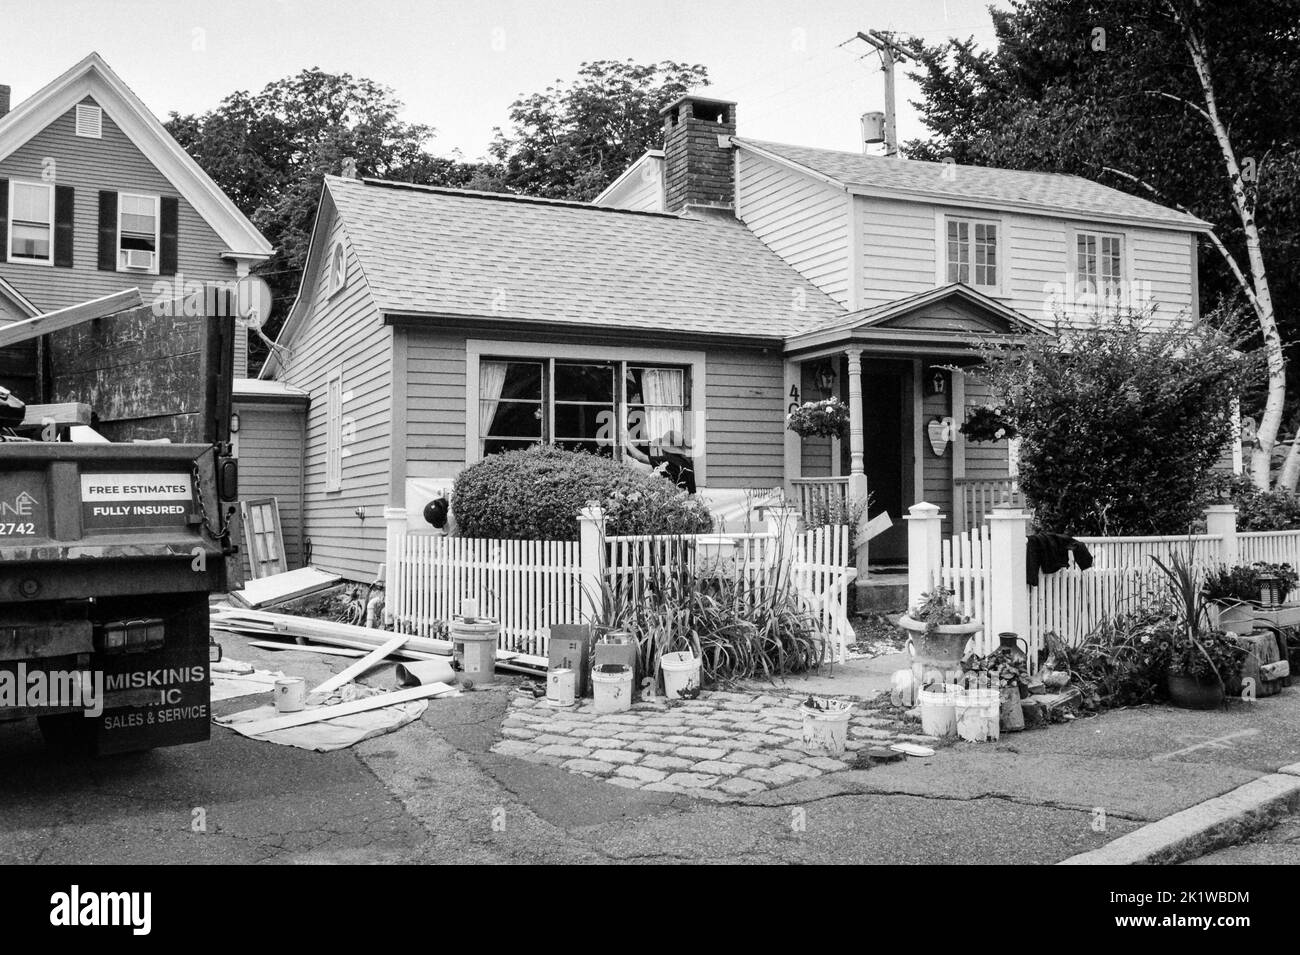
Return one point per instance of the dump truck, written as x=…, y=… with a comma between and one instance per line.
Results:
x=109, y=550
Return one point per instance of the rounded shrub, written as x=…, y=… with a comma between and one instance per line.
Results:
x=536, y=494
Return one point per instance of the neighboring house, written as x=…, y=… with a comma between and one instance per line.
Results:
x=96, y=197
x=712, y=285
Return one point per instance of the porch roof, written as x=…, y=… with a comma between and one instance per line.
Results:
x=951, y=318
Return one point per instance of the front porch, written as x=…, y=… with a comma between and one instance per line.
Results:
x=896, y=366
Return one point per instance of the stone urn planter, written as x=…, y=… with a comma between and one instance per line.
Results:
x=944, y=646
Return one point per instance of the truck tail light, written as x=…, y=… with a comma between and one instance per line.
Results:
x=133, y=636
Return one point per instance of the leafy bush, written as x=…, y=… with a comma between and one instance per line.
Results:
x=1121, y=424
x=536, y=494
x=1123, y=661
x=1273, y=510
x=1241, y=583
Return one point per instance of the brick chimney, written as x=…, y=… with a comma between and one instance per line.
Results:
x=4, y=99
x=699, y=169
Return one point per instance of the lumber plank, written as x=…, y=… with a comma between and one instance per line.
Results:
x=305, y=647
x=68, y=317
x=65, y=412
x=319, y=713
x=361, y=666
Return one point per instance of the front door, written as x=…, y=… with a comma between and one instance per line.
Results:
x=886, y=413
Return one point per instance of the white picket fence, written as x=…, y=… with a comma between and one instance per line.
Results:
x=966, y=570
x=531, y=586
x=1271, y=547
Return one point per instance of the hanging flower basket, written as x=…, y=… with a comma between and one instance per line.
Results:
x=988, y=423
x=822, y=419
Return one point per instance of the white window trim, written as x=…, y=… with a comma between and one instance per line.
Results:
x=1072, y=256
x=99, y=124
x=9, y=231
x=476, y=349
x=157, y=231
x=941, y=218
x=336, y=284
x=334, y=431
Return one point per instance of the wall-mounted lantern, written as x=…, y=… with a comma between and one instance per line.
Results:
x=826, y=379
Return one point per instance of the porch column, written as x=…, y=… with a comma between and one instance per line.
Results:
x=857, y=457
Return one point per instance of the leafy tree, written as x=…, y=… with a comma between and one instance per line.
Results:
x=1191, y=103
x=271, y=150
x=1121, y=425
x=572, y=140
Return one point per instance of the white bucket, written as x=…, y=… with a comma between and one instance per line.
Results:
x=829, y=727
x=939, y=710
x=561, y=684
x=612, y=688
x=979, y=714
x=681, y=672
x=290, y=695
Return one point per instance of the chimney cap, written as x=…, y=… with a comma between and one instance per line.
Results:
x=695, y=98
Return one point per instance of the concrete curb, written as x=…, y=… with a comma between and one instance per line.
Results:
x=1208, y=825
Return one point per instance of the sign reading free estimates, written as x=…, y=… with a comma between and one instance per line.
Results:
x=136, y=499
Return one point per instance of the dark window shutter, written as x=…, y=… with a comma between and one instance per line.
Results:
x=4, y=217
x=108, y=231
x=64, y=201
x=168, y=235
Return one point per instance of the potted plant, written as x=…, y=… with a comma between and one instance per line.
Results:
x=987, y=423
x=939, y=631
x=827, y=418
x=1234, y=592
x=1201, y=659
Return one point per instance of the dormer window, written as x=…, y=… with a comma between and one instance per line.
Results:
x=338, y=272
x=972, y=251
x=1099, y=265
x=90, y=121
x=137, y=233
x=31, y=223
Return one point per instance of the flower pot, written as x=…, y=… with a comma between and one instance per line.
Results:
x=1192, y=693
x=829, y=727
x=942, y=648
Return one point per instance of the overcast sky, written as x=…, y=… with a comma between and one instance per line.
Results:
x=458, y=64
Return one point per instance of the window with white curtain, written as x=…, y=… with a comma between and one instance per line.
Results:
x=626, y=410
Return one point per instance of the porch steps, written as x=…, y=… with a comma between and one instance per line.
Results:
x=883, y=591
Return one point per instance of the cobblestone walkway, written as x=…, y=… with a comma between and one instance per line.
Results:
x=722, y=746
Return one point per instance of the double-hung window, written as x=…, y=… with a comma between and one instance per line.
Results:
x=613, y=408
x=1099, y=265
x=31, y=222
x=972, y=251
x=137, y=233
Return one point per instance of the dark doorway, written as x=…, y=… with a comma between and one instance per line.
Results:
x=886, y=413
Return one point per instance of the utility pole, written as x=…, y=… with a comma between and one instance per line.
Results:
x=890, y=53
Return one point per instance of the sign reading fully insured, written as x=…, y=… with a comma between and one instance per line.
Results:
x=136, y=499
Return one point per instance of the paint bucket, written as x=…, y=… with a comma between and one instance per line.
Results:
x=290, y=695
x=474, y=645
x=827, y=728
x=979, y=713
x=681, y=672
x=561, y=685
x=612, y=688
x=424, y=672
x=939, y=710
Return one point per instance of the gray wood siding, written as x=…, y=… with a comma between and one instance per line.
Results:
x=112, y=163
x=271, y=465
x=816, y=454
x=345, y=332
x=900, y=258
x=745, y=405
x=435, y=402
x=802, y=220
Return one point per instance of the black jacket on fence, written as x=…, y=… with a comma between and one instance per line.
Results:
x=1048, y=553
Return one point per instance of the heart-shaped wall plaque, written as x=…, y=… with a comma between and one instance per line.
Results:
x=940, y=431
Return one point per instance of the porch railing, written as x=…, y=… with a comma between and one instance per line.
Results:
x=975, y=498
x=822, y=500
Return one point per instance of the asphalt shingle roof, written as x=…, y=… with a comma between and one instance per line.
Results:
x=448, y=252
x=1046, y=190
